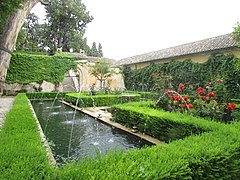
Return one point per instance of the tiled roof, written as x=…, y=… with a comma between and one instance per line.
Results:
x=210, y=44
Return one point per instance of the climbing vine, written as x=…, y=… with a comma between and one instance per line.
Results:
x=161, y=76
x=26, y=68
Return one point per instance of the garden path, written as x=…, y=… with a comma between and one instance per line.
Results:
x=5, y=106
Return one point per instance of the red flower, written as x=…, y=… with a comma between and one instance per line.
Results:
x=181, y=86
x=185, y=105
x=174, y=98
x=179, y=99
x=185, y=98
x=205, y=98
x=190, y=106
x=200, y=91
x=232, y=106
x=211, y=94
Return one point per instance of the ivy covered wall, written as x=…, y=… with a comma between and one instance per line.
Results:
x=157, y=77
x=26, y=68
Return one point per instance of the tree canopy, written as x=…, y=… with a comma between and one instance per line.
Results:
x=65, y=19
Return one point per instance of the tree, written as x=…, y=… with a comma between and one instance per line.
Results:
x=78, y=41
x=12, y=15
x=100, y=52
x=30, y=36
x=102, y=71
x=65, y=19
x=94, y=51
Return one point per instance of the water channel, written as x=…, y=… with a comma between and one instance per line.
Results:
x=89, y=136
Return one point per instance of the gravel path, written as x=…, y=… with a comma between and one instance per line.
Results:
x=5, y=105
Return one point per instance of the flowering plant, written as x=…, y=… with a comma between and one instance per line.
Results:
x=208, y=102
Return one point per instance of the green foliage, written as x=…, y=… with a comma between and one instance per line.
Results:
x=8, y=7
x=100, y=52
x=64, y=20
x=158, y=77
x=26, y=68
x=31, y=35
x=94, y=51
x=163, y=125
x=46, y=95
x=99, y=100
x=22, y=153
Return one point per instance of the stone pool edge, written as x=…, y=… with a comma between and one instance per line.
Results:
x=44, y=141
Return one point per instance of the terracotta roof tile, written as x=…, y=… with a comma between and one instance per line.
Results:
x=210, y=44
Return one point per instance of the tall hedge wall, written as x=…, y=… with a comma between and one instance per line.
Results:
x=218, y=66
x=26, y=68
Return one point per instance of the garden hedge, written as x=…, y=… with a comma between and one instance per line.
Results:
x=22, y=153
x=26, y=68
x=46, y=95
x=160, y=124
x=210, y=155
x=100, y=100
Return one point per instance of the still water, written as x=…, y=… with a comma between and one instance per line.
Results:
x=89, y=136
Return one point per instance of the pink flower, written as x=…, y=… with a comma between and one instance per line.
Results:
x=219, y=80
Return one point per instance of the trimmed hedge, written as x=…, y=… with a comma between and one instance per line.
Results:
x=163, y=125
x=22, y=153
x=100, y=100
x=46, y=95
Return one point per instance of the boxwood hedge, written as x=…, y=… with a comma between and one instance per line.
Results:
x=163, y=125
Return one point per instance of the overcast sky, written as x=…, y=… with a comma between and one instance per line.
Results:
x=131, y=27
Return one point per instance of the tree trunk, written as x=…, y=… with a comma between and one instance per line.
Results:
x=9, y=36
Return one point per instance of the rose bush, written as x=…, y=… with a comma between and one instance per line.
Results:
x=209, y=102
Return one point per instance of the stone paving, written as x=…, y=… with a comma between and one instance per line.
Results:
x=5, y=105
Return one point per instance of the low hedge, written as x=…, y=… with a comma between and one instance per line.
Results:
x=22, y=153
x=99, y=100
x=46, y=95
x=160, y=124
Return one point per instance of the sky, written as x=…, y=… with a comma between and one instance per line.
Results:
x=127, y=28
